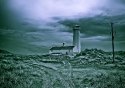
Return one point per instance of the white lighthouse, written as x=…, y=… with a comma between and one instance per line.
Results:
x=72, y=49
x=76, y=39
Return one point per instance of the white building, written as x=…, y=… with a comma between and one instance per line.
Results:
x=62, y=50
x=75, y=48
x=76, y=39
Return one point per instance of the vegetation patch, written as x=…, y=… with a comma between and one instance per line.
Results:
x=91, y=68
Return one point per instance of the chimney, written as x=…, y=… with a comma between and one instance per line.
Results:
x=63, y=43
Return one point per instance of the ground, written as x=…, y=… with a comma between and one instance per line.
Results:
x=91, y=68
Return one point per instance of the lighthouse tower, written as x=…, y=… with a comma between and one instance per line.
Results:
x=76, y=39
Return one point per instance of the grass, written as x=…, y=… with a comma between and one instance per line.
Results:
x=20, y=71
x=99, y=78
x=89, y=70
x=16, y=74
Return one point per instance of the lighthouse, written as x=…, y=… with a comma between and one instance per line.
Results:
x=76, y=39
x=69, y=50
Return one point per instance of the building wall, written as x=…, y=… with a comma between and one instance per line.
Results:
x=62, y=51
x=76, y=40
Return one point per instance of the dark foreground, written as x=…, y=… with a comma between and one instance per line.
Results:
x=90, y=69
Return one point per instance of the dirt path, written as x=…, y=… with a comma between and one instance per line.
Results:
x=53, y=76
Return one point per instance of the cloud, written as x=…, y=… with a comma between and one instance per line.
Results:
x=29, y=39
x=34, y=26
x=41, y=9
x=120, y=1
x=98, y=25
x=95, y=30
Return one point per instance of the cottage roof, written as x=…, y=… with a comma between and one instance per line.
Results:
x=61, y=47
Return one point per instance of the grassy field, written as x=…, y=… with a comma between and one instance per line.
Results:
x=90, y=69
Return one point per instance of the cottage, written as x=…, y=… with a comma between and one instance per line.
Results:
x=61, y=50
x=73, y=49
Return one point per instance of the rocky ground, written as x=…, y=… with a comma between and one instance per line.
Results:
x=91, y=68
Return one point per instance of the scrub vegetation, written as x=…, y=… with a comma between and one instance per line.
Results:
x=92, y=68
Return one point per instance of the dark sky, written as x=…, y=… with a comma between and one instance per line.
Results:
x=33, y=26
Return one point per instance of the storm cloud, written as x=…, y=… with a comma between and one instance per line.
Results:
x=32, y=27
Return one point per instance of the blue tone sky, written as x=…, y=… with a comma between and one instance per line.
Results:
x=33, y=26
